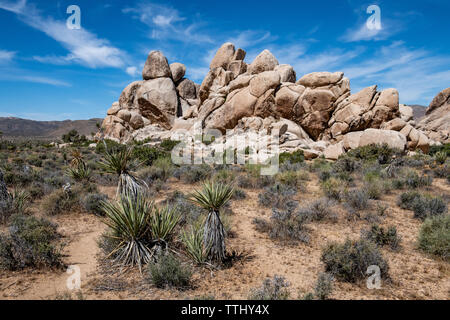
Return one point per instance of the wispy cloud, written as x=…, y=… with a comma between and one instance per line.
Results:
x=6, y=56
x=84, y=47
x=133, y=71
x=35, y=79
x=167, y=23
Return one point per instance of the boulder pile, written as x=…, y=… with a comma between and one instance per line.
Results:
x=316, y=113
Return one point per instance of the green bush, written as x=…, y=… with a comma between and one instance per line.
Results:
x=381, y=236
x=271, y=289
x=434, y=236
x=284, y=226
x=319, y=210
x=381, y=153
x=294, y=157
x=60, y=201
x=324, y=286
x=333, y=189
x=424, y=206
x=349, y=261
x=29, y=244
x=168, y=271
x=92, y=203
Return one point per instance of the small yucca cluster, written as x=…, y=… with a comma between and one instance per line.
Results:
x=212, y=197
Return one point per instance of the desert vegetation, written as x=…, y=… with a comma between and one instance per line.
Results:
x=161, y=230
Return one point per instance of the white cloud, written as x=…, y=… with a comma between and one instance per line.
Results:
x=167, y=24
x=6, y=56
x=85, y=47
x=133, y=71
x=36, y=79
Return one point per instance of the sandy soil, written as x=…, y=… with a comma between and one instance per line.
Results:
x=415, y=275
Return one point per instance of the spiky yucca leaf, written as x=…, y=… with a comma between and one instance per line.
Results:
x=20, y=200
x=163, y=222
x=193, y=242
x=118, y=161
x=129, y=220
x=79, y=172
x=213, y=195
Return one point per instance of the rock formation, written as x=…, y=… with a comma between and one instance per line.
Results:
x=436, y=123
x=317, y=114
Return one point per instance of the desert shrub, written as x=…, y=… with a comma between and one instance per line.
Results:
x=349, y=261
x=61, y=201
x=91, y=202
x=406, y=199
x=424, y=206
x=319, y=210
x=147, y=155
x=444, y=148
x=168, y=145
x=294, y=157
x=375, y=189
x=333, y=189
x=345, y=164
x=239, y=194
x=381, y=153
x=414, y=181
x=324, y=286
x=34, y=161
x=292, y=178
x=442, y=172
x=277, y=196
x=107, y=145
x=434, y=236
x=381, y=236
x=271, y=289
x=357, y=199
x=168, y=271
x=38, y=189
x=161, y=170
x=29, y=244
x=193, y=174
x=284, y=226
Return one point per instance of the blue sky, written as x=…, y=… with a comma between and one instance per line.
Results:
x=49, y=72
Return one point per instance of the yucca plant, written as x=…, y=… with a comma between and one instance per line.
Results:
x=193, y=242
x=79, y=172
x=20, y=200
x=162, y=223
x=212, y=197
x=440, y=157
x=121, y=162
x=129, y=219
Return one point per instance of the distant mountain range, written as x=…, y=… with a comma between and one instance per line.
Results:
x=23, y=128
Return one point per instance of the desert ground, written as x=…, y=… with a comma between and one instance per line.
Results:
x=413, y=273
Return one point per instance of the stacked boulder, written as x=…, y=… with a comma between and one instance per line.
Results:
x=162, y=96
x=316, y=114
x=436, y=123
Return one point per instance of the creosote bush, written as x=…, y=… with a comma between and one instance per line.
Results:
x=277, y=196
x=349, y=261
x=284, y=226
x=272, y=289
x=168, y=271
x=61, y=201
x=434, y=236
x=91, y=202
x=319, y=210
x=423, y=206
x=381, y=236
x=29, y=244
